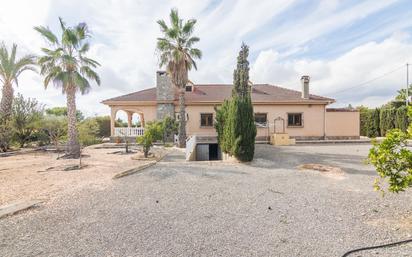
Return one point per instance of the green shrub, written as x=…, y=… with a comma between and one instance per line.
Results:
x=153, y=132
x=393, y=160
x=402, y=119
x=169, y=128
x=104, y=125
x=6, y=134
x=26, y=116
x=89, y=132
x=62, y=111
x=387, y=120
x=364, y=114
x=53, y=129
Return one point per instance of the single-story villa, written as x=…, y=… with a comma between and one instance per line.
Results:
x=277, y=109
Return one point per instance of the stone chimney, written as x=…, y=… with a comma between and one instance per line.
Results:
x=165, y=95
x=305, y=86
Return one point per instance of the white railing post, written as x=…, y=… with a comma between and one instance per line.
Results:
x=128, y=132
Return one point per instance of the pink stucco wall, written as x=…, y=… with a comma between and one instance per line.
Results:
x=338, y=124
x=313, y=119
x=343, y=124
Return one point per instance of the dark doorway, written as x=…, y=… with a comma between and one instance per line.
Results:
x=213, y=152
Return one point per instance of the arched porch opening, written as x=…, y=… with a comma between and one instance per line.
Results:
x=127, y=122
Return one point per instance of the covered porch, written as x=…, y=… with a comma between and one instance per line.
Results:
x=131, y=130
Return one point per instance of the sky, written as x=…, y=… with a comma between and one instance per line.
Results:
x=339, y=44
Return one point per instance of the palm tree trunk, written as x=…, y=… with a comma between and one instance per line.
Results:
x=182, y=121
x=6, y=100
x=73, y=146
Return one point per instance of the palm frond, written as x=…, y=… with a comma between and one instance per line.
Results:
x=47, y=34
x=89, y=73
x=188, y=27
x=62, y=24
x=163, y=26
x=82, y=83
x=174, y=17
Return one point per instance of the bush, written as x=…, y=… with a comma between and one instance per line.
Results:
x=402, y=119
x=387, y=120
x=26, y=116
x=153, y=132
x=89, y=132
x=393, y=161
x=169, y=128
x=365, y=116
x=53, y=129
x=104, y=125
x=6, y=134
x=62, y=111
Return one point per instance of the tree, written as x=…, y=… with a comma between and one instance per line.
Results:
x=402, y=119
x=6, y=133
x=89, y=132
x=402, y=94
x=153, y=132
x=387, y=120
x=178, y=55
x=62, y=111
x=104, y=125
x=235, y=119
x=55, y=128
x=66, y=65
x=26, y=115
x=169, y=127
x=10, y=70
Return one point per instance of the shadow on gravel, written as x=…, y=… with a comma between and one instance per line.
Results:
x=169, y=170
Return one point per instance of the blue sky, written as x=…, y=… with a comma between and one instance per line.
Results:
x=340, y=44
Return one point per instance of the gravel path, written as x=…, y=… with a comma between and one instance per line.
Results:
x=266, y=208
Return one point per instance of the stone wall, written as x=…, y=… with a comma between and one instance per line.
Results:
x=165, y=109
x=165, y=95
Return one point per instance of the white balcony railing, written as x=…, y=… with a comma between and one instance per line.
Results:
x=128, y=132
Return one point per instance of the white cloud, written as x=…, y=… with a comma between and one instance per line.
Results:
x=125, y=32
x=334, y=77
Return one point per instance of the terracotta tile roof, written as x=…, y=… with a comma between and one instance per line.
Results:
x=263, y=93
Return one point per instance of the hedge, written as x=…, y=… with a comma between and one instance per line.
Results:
x=387, y=120
x=402, y=119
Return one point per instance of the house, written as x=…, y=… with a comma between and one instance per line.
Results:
x=302, y=115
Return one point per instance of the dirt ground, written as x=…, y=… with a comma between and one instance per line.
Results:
x=41, y=175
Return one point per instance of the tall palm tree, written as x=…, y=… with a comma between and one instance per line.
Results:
x=65, y=65
x=10, y=69
x=177, y=54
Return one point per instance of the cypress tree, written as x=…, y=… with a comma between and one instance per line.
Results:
x=235, y=123
x=402, y=119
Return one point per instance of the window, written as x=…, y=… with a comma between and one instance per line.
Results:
x=206, y=119
x=189, y=88
x=295, y=120
x=261, y=119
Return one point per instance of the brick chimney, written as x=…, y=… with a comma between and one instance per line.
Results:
x=305, y=86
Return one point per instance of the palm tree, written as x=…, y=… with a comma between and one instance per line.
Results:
x=66, y=65
x=177, y=54
x=10, y=70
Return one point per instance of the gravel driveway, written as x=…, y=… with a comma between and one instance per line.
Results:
x=266, y=208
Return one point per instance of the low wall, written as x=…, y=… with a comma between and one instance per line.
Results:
x=342, y=124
